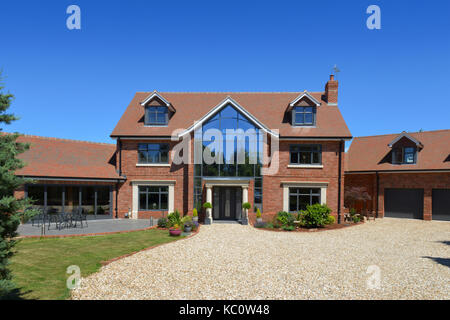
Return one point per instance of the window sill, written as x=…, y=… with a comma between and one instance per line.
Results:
x=153, y=165
x=305, y=166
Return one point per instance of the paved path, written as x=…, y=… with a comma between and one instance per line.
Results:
x=239, y=262
x=94, y=226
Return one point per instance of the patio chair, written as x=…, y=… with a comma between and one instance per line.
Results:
x=38, y=219
x=81, y=216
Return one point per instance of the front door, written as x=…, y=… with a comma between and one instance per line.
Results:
x=227, y=203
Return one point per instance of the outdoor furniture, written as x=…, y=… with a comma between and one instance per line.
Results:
x=369, y=214
x=38, y=219
x=79, y=215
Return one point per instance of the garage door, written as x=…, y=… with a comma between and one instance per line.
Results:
x=403, y=203
x=441, y=204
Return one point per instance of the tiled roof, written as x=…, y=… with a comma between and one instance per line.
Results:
x=368, y=153
x=268, y=107
x=52, y=157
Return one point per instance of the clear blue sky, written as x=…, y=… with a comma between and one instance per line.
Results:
x=76, y=84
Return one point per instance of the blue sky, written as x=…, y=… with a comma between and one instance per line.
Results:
x=77, y=83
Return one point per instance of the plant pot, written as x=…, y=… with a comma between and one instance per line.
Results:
x=187, y=229
x=174, y=232
x=259, y=220
x=195, y=218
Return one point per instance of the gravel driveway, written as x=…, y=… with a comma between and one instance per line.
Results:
x=229, y=261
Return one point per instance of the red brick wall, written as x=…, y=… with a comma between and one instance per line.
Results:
x=181, y=174
x=273, y=190
x=426, y=181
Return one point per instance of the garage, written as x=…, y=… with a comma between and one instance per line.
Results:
x=441, y=204
x=403, y=203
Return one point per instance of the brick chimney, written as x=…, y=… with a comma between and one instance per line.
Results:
x=331, y=91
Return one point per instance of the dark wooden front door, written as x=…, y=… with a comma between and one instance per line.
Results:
x=227, y=203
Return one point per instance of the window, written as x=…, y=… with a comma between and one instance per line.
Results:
x=406, y=155
x=306, y=154
x=153, y=198
x=156, y=115
x=153, y=153
x=304, y=116
x=409, y=155
x=299, y=198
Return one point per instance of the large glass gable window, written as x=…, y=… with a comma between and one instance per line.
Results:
x=156, y=115
x=228, y=166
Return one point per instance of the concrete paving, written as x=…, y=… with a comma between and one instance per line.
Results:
x=94, y=226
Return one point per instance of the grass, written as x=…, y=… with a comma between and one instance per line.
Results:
x=39, y=266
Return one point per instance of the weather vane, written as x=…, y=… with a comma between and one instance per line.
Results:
x=336, y=70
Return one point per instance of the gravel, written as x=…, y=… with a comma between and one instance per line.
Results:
x=229, y=261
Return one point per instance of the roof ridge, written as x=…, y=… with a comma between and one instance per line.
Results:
x=394, y=134
x=231, y=92
x=61, y=139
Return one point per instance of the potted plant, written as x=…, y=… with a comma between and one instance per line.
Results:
x=246, y=206
x=174, y=222
x=175, y=230
x=258, y=216
x=187, y=223
x=208, y=207
x=194, y=215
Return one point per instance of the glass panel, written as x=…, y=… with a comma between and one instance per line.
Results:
x=316, y=158
x=153, y=201
x=304, y=201
x=54, y=198
x=142, y=156
x=164, y=157
x=315, y=199
x=103, y=201
x=292, y=203
x=229, y=112
x=315, y=191
x=72, y=199
x=258, y=183
x=294, y=157
x=164, y=201
x=36, y=193
x=153, y=156
x=305, y=157
x=88, y=199
x=197, y=169
x=299, y=118
x=308, y=118
x=142, y=201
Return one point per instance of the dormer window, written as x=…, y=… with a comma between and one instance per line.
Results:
x=156, y=115
x=405, y=155
x=304, y=116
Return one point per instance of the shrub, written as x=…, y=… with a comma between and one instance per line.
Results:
x=288, y=228
x=173, y=219
x=186, y=221
x=194, y=213
x=246, y=205
x=356, y=218
x=285, y=218
x=207, y=205
x=330, y=220
x=258, y=213
x=194, y=225
x=162, y=223
x=269, y=225
x=315, y=215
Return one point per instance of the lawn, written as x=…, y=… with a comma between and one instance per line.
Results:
x=39, y=267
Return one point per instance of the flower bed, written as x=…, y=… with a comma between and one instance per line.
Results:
x=314, y=218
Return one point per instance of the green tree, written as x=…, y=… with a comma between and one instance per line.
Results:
x=11, y=209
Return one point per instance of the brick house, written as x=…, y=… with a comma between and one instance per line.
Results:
x=295, y=157
x=405, y=175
